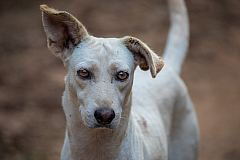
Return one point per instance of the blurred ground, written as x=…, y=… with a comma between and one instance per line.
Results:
x=32, y=123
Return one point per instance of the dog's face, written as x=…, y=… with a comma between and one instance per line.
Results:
x=100, y=70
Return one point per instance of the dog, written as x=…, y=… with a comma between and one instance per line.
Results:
x=110, y=116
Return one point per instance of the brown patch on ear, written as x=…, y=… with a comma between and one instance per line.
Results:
x=63, y=31
x=143, y=55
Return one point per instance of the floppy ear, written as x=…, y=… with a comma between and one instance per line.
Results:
x=143, y=55
x=63, y=31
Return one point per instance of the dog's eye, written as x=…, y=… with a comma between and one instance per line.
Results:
x=83, y=73
x=122, y=75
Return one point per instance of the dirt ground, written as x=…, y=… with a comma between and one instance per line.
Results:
x=32, y=122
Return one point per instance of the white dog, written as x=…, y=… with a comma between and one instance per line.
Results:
x=110, y=116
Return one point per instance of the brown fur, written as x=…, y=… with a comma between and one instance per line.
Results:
x=144, y=55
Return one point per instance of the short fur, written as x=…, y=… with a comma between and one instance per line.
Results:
x=154, y=118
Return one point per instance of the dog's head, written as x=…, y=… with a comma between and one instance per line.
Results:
x=100, y=70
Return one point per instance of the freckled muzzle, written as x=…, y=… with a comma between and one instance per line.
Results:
x=104, y=116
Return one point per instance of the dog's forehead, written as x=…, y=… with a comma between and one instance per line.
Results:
x=102, y=50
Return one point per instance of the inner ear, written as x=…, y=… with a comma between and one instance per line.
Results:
x=140, y=60
x=60, y=35
x=143, y=55
x=63, y=31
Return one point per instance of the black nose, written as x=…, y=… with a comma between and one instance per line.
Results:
x=104, y=116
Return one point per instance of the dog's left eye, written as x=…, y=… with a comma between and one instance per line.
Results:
x=83, y=73
x=122, y=75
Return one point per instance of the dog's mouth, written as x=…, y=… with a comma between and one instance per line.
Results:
x=103, y=126
x=95, y=125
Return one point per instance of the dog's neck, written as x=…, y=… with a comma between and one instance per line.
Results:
x=92, y=143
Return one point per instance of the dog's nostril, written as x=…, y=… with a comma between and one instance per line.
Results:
x=104, y=116
x=110, y=119
x=100, y=119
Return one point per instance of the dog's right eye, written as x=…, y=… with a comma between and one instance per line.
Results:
x=83, y=73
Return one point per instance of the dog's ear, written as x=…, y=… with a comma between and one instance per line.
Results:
x=143, y=55
x=63, y=31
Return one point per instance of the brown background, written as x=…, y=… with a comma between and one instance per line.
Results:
x=32, y=123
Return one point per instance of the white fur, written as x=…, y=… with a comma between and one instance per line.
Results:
x=178, y=37
x=154, y=118
x=160, y=123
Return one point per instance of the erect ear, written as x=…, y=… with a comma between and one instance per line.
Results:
x=63, y=31
x=143, y=55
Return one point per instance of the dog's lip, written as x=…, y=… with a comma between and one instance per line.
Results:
x=109, y=126
x=99, y=126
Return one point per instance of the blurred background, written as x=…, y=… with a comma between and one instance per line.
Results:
x=32, y=122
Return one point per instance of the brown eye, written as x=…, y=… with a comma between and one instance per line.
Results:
x=122, y=75
x=83, y=73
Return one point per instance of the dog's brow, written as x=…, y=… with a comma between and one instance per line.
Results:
x=88, y=64
x=114, y=65
x=93, y=66
x=118, y=65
